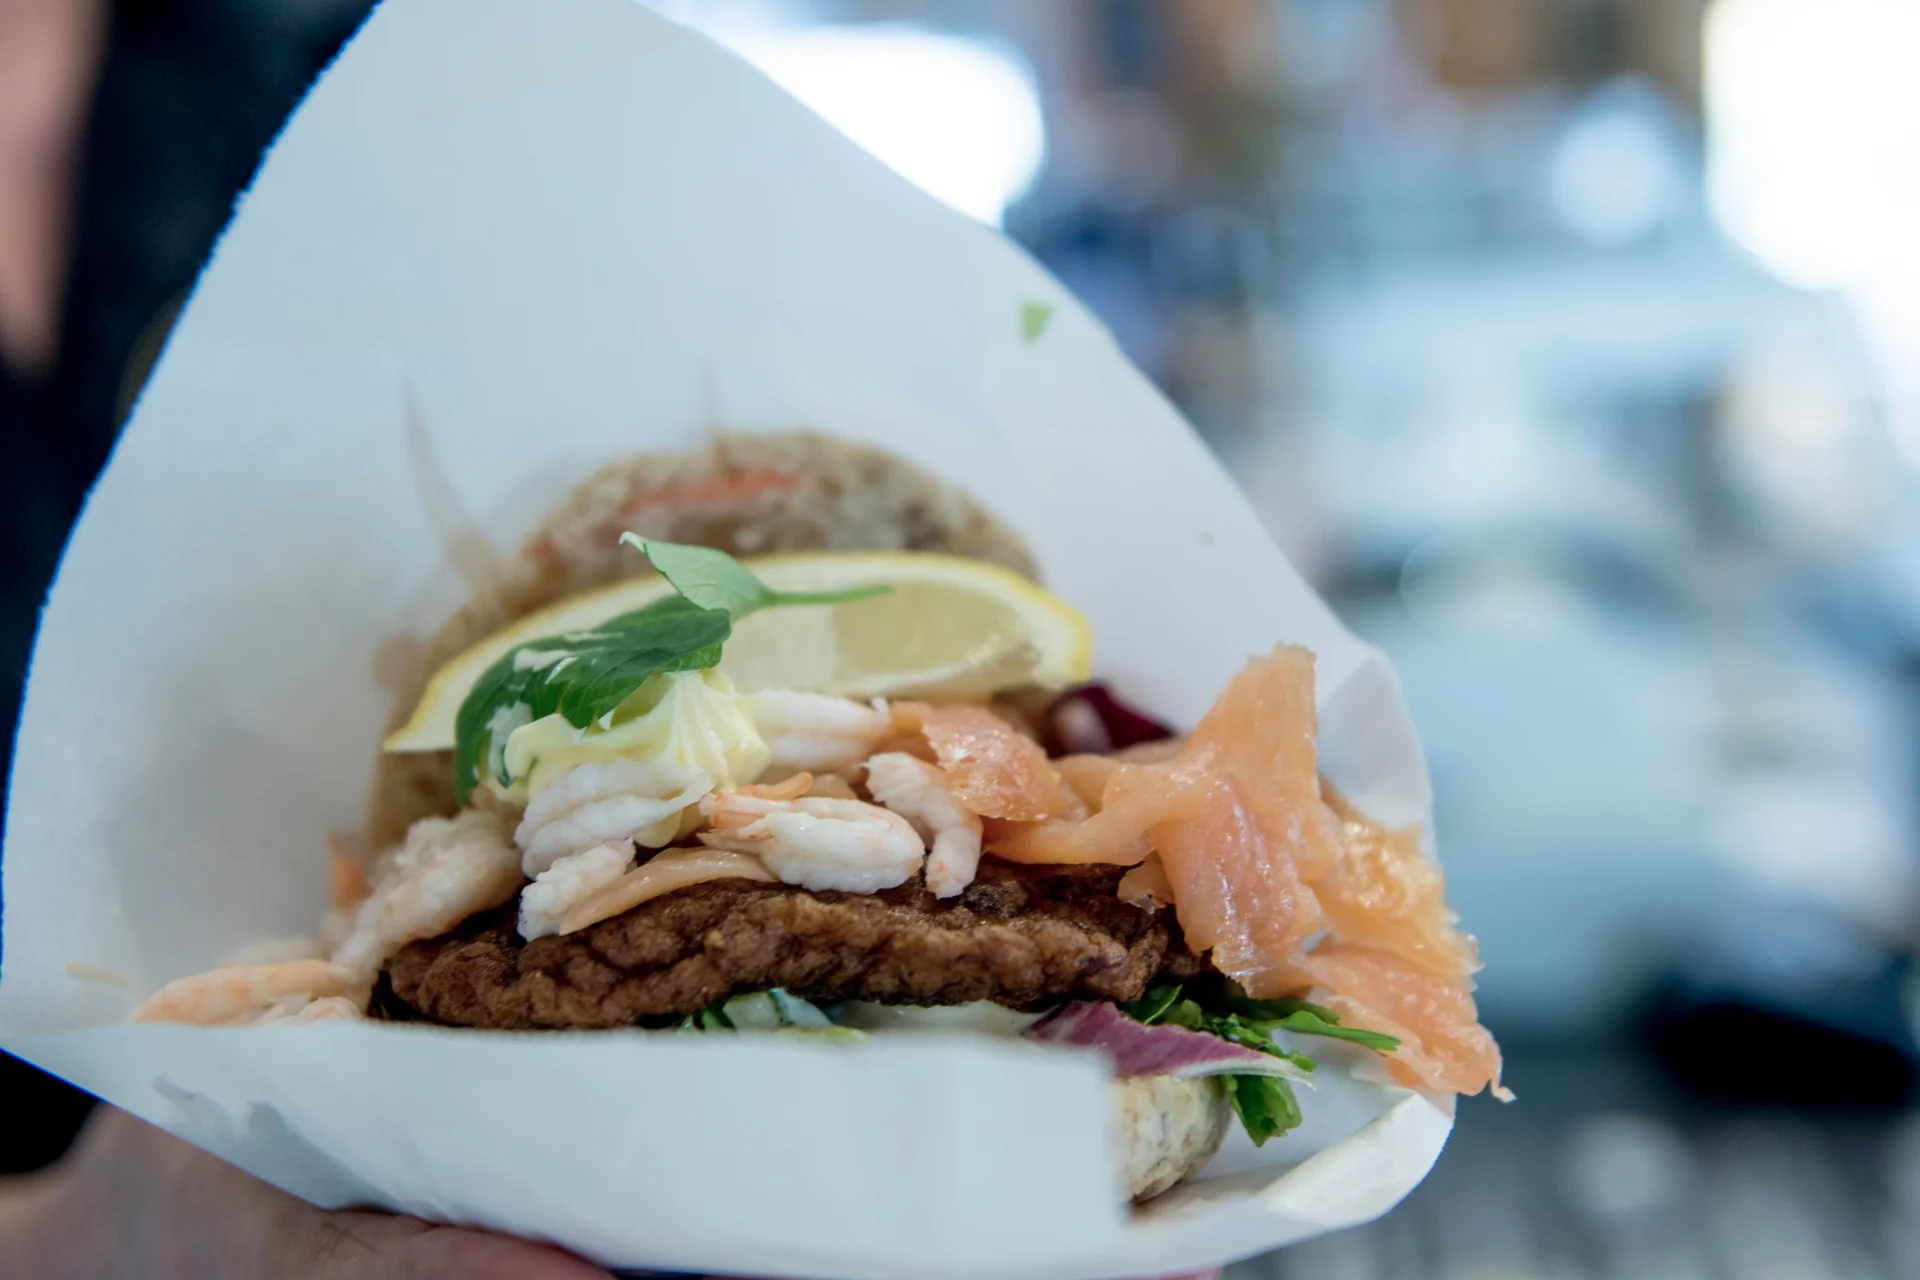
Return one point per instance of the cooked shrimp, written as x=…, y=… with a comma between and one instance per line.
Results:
x=568, y=882
x=815, y=842
x=817, y=731
x=265, y=951
x=920, y=793
x=831, y=786
x=303, y=1009
x=447, y=869
x=226, y=997
x=791, y=789
x=329, y=1009
x=661, y=874
x=347, y=870
x=608, y=801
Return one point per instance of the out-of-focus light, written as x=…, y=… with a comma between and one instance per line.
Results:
x=1793, y=426
x=1623, y=1170
x=1614, y=176
x=957, y=116
x=1813, y=124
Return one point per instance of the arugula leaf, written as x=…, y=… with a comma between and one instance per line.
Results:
x=1151, y=1007
x=1250, y=1035
x=1304, y=1018
x=1309, y=1024
x=713, y=579
x=1265, y=1104
x=583, y=675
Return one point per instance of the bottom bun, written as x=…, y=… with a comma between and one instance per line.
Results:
x=1164, y=1129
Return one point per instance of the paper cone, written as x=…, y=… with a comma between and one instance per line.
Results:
x=566, y=232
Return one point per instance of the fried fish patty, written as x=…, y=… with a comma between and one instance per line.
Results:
x=1018, y=936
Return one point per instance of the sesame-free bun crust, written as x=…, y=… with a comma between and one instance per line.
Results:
x=747, y=495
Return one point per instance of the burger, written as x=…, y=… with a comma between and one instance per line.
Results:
x=783, y=736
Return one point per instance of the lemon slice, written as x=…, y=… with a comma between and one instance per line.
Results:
x=951, y=627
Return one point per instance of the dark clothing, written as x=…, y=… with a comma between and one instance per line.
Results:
x=189, y=96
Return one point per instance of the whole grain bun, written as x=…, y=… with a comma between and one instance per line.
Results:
x=747, y=495
x=1164, y=1129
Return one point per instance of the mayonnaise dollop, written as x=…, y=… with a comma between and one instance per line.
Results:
x=690, y=717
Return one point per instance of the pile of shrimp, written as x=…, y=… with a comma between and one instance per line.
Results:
x=1289, y=888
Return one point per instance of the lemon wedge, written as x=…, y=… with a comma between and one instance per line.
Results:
x=951, y=628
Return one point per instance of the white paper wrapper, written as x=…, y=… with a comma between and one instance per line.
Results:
x=567, y=231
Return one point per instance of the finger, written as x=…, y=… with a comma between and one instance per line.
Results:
x=378, y=1246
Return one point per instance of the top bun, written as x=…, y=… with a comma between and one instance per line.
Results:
x=747, y=495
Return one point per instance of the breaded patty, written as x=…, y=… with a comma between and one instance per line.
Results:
x=1018, y=936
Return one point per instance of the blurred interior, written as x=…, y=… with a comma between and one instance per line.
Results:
x=1572, y=347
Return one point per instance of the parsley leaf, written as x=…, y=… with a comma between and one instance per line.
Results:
x=584, y=675
x=713, y=579
x=580, y=674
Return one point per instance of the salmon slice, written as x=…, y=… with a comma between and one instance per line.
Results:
x=1262, y=726
x=1157, y=752
x=1383, y=891
x=1086, y=777
x=1236, y=889
x=1442, y=1044
x=996, y=771
x=1136, y=798
x=1146, y=885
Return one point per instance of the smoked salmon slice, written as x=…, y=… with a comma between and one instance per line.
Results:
x=1262, y=728
x=1442, y=1044
x=1383, y=891
x=1234, y=828
x=996, y=771
x=1236, y=889
x=1135, y=798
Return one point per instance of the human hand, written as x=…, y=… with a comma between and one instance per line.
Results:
x=134, y=1203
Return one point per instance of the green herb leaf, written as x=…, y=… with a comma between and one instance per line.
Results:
x=713, y=579
x=1265, y=1104
x=711, y=1018
x=1185, y=1013
x=1304, y=1018
x=774, y=1011
x=580, y=674
x=1151, y=1007
x=1308, y=1024
x=1034, y=316
x=1249, y=1035
x=583, y=675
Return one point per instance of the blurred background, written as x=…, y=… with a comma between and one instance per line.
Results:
x=1572, y=347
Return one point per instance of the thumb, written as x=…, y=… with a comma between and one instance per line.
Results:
x=378, y=1246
